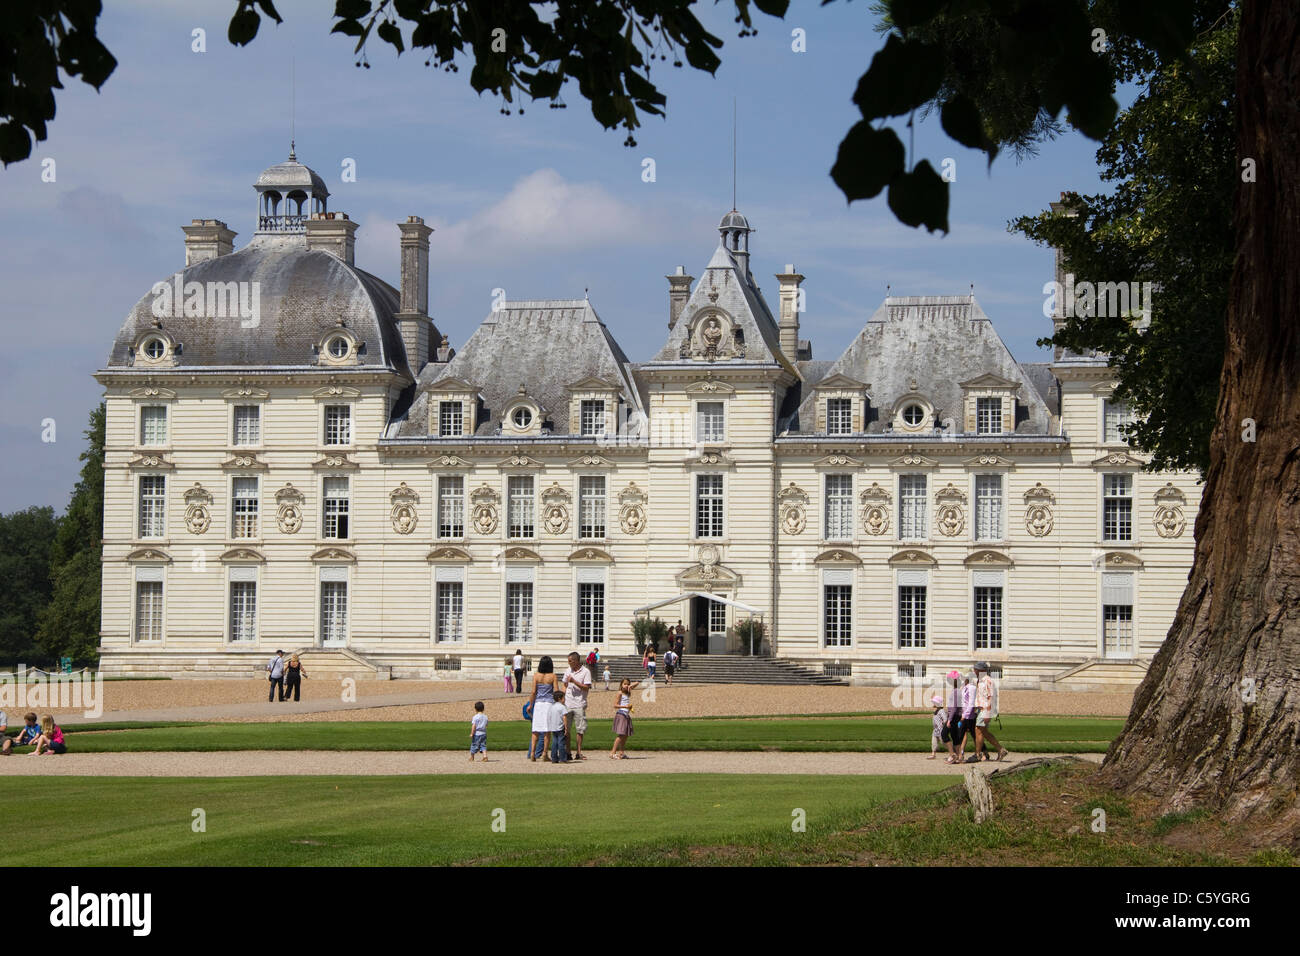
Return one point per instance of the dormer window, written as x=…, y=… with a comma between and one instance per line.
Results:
x=522, y=417
x=592, y=417
x=913, y=415
x=839, y=416
x=988, y=415
x=451, y=419
x=155, y=348
x=338, y=347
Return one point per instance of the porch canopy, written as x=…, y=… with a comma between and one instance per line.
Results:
x=694, y=594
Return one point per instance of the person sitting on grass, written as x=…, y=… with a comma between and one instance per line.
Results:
x=26, y=737
x=623, y=719
x=50, y=740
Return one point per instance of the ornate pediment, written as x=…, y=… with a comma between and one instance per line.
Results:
x=155, y=393
x=711, y=458
x=245, y=393
x=459, y=555
x=988, y=558
x=519, y=461
x=1118, y=560
x=592, y=383
x=989, y=461
x=837, y=556
x=840, y=382
x=244, y=463
x=590, y=461
x=452, y=384
x=334, y=462
x=707, y=577
x=913, y=461
x=243, y=556
x=988, y=380
x=592, y=554
x=520, y=554
x=1118, y=459
x=709, y=387
x=150, y=462
x=837, y=459
x=912, y=556
x=335, y=393
x=448, y=461
x=149, y=556
x=334, y=556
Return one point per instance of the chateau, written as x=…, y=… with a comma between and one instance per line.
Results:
x=297, y=457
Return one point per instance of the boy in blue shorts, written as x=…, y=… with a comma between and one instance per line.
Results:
x=478, y=733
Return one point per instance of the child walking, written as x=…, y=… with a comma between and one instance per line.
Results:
x=478, y=732
x=606, y=677
x=938, y=727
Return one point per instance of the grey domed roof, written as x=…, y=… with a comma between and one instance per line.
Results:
x=734, y=220
x=300, y=295
x=291, y=174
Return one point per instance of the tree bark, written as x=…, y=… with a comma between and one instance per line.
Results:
x=1216, y=722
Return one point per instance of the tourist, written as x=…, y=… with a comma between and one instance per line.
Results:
x=577, y=684
x=542, y=697
x=27, y=736
x=275, y=671
x=701, y=639
x=508, y=676
x=623, y=719
x=954, y=714
x=557, y=715
x=593, y=659
x=967, y=720
x=939, y=728
x=50, y=740
x=518, y=664
x=478, y=732
x=606, y=677
x=679, y=646
x=986, y=701
x=648, y=661
x=670, y=664
x=293, y=675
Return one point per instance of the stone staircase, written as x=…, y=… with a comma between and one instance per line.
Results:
x=721, y=669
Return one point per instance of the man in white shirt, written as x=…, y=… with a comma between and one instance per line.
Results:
x=986, y=701
x=577, y=682
x=518, y=665
x=275, y=672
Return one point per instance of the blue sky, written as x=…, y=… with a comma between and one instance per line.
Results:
x=542, y=205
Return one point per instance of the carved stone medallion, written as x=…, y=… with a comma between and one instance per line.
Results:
x=1038, y=510
x=950, y=511
x=483, y=509
x=631, y=512
x=794, y=508
x=1169, y=520
x=404, y=514
x=555, y=509
x=288, y=511
x=198, y=509
x=875, y=509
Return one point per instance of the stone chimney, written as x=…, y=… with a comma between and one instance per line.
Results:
x=413, y=317
x=679, y=290
x=332, y=232
x=207, y=239
x=790, y=301
x=445, y=352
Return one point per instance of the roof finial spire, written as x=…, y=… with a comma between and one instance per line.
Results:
x=293, y=105
x=733, y=154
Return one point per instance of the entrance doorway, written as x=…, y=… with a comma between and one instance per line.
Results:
x=708, y=633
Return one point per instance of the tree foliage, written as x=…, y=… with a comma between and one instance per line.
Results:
x=69, y=625
x=25, y=541
x=1169, y=221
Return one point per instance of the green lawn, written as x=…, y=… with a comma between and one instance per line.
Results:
x=422, y=820
x=866, y=734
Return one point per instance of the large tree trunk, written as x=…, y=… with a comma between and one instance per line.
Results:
x=1216, y=722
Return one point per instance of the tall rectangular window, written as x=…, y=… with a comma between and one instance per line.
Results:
x=591, y=506
x=710, y=421
x=988, y=507
x=451, y=419
x=988, y=618
x=451, y=611
x=153, y=425
x=708, y=506
x=911, y=615
x=243, y=610
x=837, y=614
x=338, y=424
x=336, y=508
x=717, y=617
x=1116, y=415
x=1117, y=615
x=148, y=610
x=243, y=508
x=1117, y=508
x=451, y=507
x=520, y=506
x=153, y=505
x=839, y=416
x=333, y=612
x=519, y=612
x=247, y=425
x=592, y=417
x=591, y=613
x=839, y=507
x=988, y=416
x=911, y=507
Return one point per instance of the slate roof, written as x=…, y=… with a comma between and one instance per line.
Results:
x=302, y=293
x=543, y=345
x=1044, y=380
x=940, y=341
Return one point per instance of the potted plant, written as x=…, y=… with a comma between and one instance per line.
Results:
x=749, y=633
x=647, y=631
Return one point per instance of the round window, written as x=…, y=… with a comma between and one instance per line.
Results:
x=338, y=347
x=913, y=415
x=522, y=417
x=155, y=348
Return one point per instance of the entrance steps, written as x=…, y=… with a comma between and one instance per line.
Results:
x=721, y=669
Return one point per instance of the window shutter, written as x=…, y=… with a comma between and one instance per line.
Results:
x=971, y=404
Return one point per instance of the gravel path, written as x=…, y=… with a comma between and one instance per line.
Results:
x=260, y=763
x=245, y=701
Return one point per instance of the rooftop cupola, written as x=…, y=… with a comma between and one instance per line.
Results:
x=735, y=230
x=288, y=194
